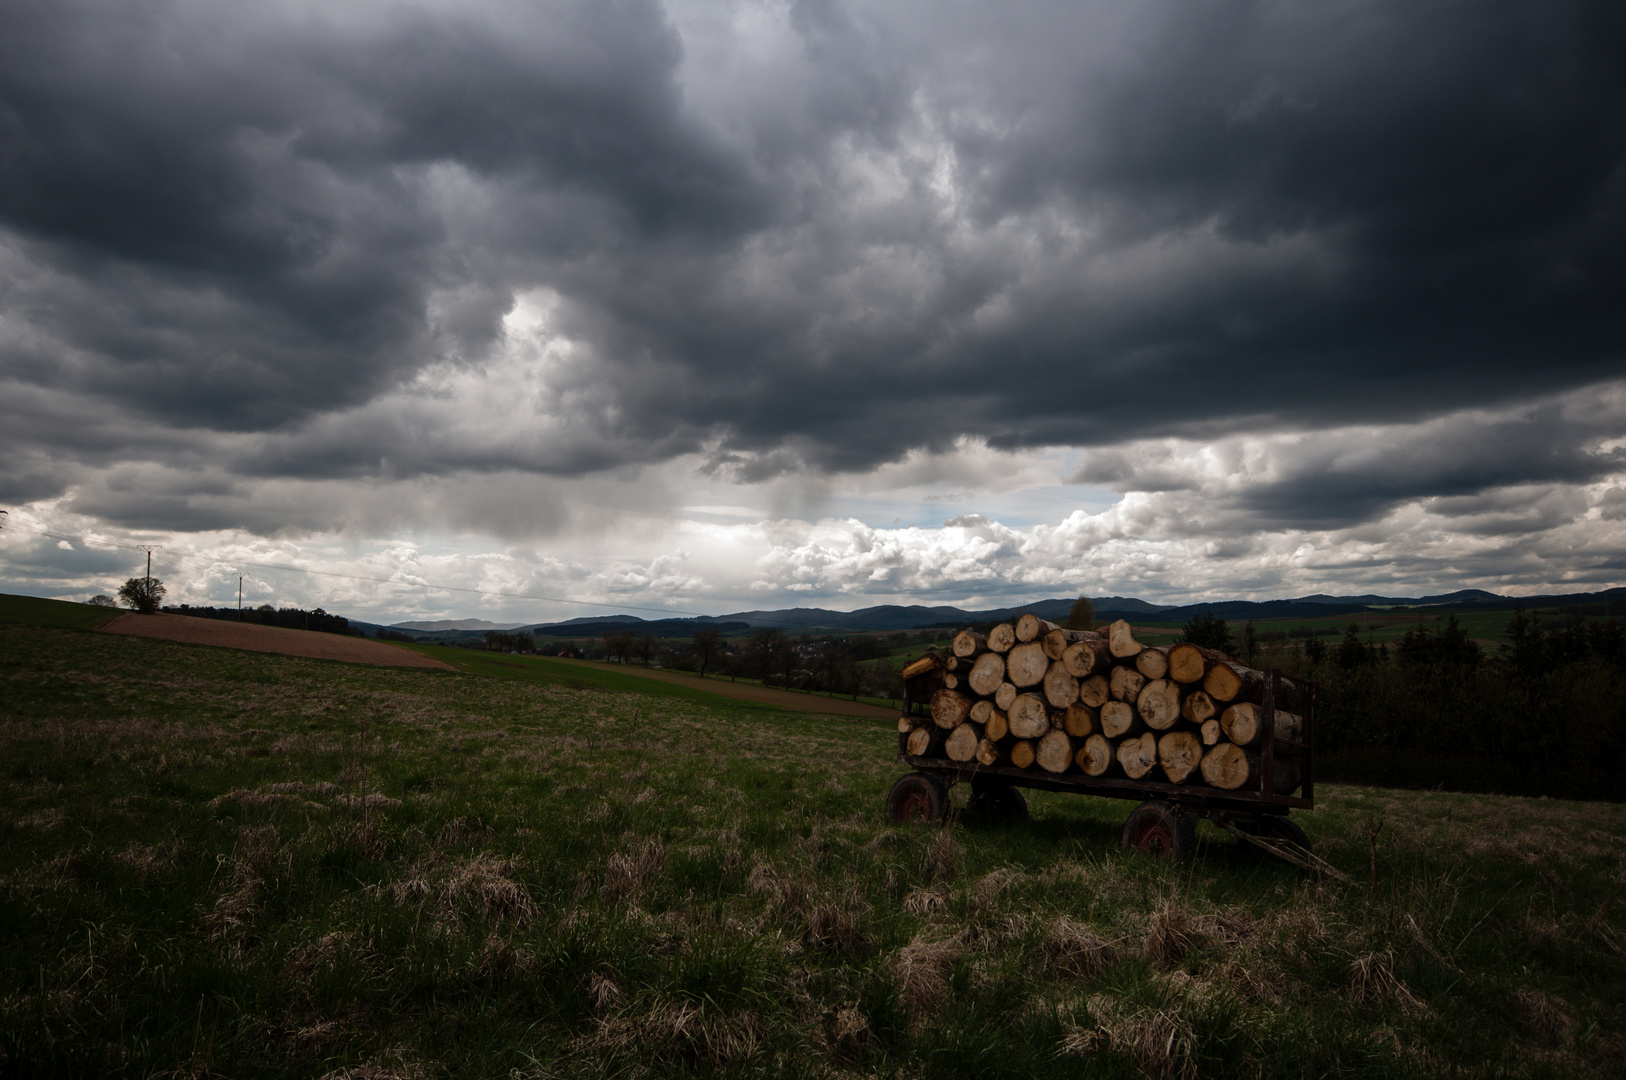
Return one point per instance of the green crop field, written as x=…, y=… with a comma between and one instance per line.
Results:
x=219, y=863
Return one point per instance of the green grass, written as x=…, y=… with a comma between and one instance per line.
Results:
x=578, y=676
x=57, y=614
x=220, y=863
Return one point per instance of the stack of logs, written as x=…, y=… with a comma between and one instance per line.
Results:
x=1031, y=694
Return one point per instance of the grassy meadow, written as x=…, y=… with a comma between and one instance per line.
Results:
x=220, y=863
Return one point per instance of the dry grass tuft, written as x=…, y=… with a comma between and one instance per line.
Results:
x=1543, y=1015
x=679, y=1029
x=922, y=971
x=1159, y=1041
x=603, y=991
x=1171, y=933
x=629, y=872
x=849, y=1031
x=485, y=882
x=1372, y=981
x=924, y=901
x=1071, y=948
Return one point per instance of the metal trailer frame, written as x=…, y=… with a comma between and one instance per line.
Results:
x=1220, y=807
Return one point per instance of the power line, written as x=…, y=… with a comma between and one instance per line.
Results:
x=361, y=577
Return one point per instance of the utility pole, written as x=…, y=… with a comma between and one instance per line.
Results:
x=149, y=549
x=239, y=597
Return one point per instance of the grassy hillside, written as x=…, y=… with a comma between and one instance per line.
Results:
x=58, y=614
x=237, y=864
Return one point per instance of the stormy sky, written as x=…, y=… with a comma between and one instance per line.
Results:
x=705, y=306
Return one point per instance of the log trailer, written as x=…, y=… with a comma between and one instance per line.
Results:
x=1165, y=821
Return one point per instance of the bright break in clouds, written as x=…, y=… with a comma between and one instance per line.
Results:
x=711, y=305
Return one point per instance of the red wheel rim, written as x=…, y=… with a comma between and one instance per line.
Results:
x=913, y=805
x=1154, y=839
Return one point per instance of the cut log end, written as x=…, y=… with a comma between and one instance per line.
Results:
x=950, y=708
x=1152, y=663
x=1022, y=754
x=1159, y=704
x=1028, y=718
x=1095, y=756
x=1180, y=753
x=1121, y=640
x=1002, y=638
x=1138, y=756
x=1026, y=665
x=961, y=745
x=1054, y=752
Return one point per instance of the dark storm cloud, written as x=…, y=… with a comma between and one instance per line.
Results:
x=886, y=228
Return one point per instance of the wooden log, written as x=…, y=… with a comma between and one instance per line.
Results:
x=1061, y=639
x=1026, y=664
x=981, y=711
x=1085, y=657
x=1095, y=756
x=1244, y=723
x=1079, y=721
x=1031, y=628
x=1121, y=640
x=905, y=725
x=1189, y=663
x=1126, y=683
x=1152, y=663
x=1118, y=718
x=925, y=742
x=950, y=709
x=988, y=752
x=998, y=726
x=1004, y=695
x=1230, y=681
x=1002, y=638
x=1212, y=732
x=1022, y=754
x=986, y=674
x=1230, y=767
x=1180, y=753
x=1028, y=718
x=951, y=681
x=1060, y=688
x=1054, y=752
x=924, y=666
x=961, y=745
x=1159, y=704
x=968, y=644
x=1094, y=691
x=1198, y=707
x=1137, y=756
x=951, y=663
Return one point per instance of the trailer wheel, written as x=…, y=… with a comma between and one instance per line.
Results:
x=1160, y=829
x=917, y=797
x=1001, y=799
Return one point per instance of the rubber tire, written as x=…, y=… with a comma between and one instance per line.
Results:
x=1160, y=829
x=1271, y=825
x=1001, y=800
x=917, y=797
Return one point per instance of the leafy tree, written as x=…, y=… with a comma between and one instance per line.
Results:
x=1250, y=644
x=1449, y=647
x=708, y=644
x=1208, y=630
x=1352, y=651
x=1082, y=614
x=143, y=594
x=102, y=601
x=643, y=647
x=1315, y=651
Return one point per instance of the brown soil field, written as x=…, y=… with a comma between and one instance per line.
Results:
x=271, y=639
x=762, y=695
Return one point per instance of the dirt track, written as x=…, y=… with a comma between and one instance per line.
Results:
x=272, y=639
x=764, y=695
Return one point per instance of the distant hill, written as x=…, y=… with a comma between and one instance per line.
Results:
x=894, y=617
x=454, y=624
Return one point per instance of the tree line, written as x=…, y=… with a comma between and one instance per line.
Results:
x=1544, y=713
